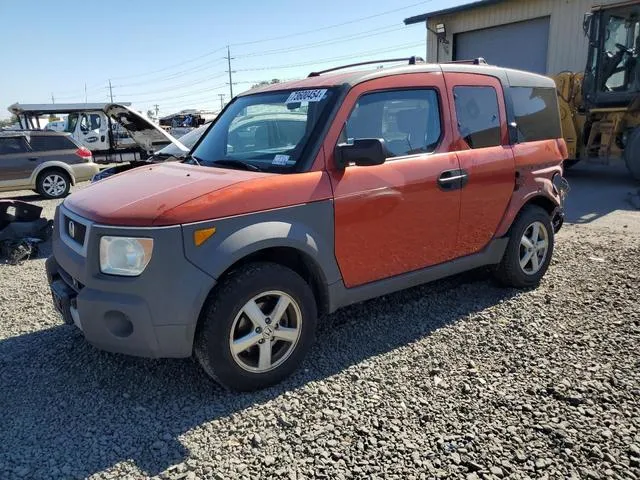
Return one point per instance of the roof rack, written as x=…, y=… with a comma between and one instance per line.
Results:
x=412, y=61
x=474, y=61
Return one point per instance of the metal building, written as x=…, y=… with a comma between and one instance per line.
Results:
x=543, y=36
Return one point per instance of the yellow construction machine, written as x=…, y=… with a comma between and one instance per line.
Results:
x=600, y=107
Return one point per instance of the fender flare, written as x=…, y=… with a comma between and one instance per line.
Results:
x=545, y=192
x=52, y=164
x=223, y=253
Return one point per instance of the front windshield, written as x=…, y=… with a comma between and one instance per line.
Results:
x=188, y=140
x=267, y=130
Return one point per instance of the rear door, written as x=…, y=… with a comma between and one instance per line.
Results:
x=16, y=159
x=394, y=218
x=485, y=155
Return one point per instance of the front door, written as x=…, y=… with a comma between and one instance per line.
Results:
x=396, y=217
x=93, y=130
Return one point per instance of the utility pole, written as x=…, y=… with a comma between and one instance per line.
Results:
x=85, y=92
x=229, y=58
x=53, y=100
x=110, y=91
x=221, y=95
x=157, y=109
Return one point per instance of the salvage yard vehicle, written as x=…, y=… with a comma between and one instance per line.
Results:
x=600, y=107
x=171, y=153
x=43, y=160
x=112, y=131
x=399, y=176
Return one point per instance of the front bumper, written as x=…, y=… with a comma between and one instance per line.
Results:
x=152, y=315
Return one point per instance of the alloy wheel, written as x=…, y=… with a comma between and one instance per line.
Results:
x=534, y=246
x=265, y=332
x=54, y=185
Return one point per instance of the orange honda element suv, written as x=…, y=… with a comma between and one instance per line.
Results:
x=306, y=196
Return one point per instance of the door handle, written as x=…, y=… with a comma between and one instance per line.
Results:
x=33, y=159
x=453, y=179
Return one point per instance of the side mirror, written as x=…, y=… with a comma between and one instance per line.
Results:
x=586, y=23
x=363, y=152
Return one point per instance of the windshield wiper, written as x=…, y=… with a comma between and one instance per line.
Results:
x=237, y=163
x=193, y=159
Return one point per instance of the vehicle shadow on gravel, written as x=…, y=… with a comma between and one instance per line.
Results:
x=71, y=410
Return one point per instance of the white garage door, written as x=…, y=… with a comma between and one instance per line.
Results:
x=521, y=45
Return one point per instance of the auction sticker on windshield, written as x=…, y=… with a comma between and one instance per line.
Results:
x=306, y=96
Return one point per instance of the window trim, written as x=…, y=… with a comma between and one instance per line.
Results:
x=500, y=119
x=400, y=89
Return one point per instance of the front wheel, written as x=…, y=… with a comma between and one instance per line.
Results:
x=257, y=327
x=529, y=250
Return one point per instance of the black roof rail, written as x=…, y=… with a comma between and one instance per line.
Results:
x=412, y=61
x=474, y=61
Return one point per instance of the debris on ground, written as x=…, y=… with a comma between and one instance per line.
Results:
x=22, y=229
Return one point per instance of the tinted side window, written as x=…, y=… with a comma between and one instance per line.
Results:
x=536, y=111
x=12, y=145
x=407, y=120
x=49, y=142
x=478, y=115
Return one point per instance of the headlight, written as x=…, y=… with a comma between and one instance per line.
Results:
x=125, y=256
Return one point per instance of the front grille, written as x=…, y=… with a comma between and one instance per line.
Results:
x=75, y=230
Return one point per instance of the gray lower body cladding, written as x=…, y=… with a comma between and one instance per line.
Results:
x=156, y=313
x=152, y=315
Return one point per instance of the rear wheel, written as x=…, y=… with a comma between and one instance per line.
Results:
x=53, y=184
x=529, y=249
x=257, y=327
x=632, y=153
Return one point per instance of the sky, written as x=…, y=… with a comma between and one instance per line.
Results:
x=171, y=53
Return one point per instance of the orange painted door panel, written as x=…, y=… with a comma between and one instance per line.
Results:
x=394, y=218
x=485, y=155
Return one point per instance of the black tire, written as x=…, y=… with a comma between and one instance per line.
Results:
x=61, y=179
x=509, y=272
x=632, y=154
x=212, y=346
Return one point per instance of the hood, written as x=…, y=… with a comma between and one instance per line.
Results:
x=148, y=135
x=140, y=196
x=175, y=193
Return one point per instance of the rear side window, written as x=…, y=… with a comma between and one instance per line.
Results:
x=536, y=111
x=12, y=145
x=407, y=120
x=45, y=143
x=478, y=116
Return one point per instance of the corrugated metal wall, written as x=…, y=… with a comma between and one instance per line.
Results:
x=567, y=43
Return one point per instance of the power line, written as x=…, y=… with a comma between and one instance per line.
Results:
x=333, y=59
x=182, y=73
x=175, y=87
x=209, y=89
x=349, y=22
x=169, y=67
x=350, y=37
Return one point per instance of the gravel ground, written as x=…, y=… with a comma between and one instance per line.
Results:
x=456, y=379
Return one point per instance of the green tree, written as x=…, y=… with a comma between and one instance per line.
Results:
x=266, y=82
x=8, y=121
